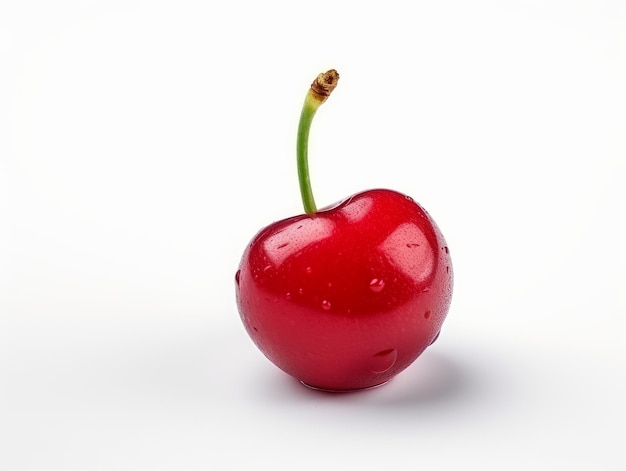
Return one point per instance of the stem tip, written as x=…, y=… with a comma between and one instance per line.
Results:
x=324, y=84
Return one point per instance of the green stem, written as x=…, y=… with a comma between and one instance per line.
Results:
x=320, y=90
x=302, y=151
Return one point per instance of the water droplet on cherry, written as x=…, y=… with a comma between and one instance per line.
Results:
x=436, y=337
x=308, y=270
x=237, y=276
x=288, y=295
x=267, y=268
x=383, y=361
x=426, y=314
x=326, y=305
x=377, y=285
x=426, y=290
x=300, y=291
x=446, y=249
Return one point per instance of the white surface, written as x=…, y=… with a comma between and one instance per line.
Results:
x=142, y=144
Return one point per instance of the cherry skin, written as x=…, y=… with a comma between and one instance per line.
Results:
x=349, y=296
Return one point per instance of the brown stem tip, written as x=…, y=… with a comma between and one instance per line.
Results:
x=324, y=84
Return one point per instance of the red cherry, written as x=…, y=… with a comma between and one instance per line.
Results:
x=346, y=297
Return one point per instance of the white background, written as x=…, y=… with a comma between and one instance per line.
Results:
x=142, y=144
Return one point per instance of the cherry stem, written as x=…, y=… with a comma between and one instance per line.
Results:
x=320, y=90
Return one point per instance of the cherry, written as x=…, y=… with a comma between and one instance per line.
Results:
x=346, y=297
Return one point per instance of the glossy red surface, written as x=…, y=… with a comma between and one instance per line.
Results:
x=350, y=296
